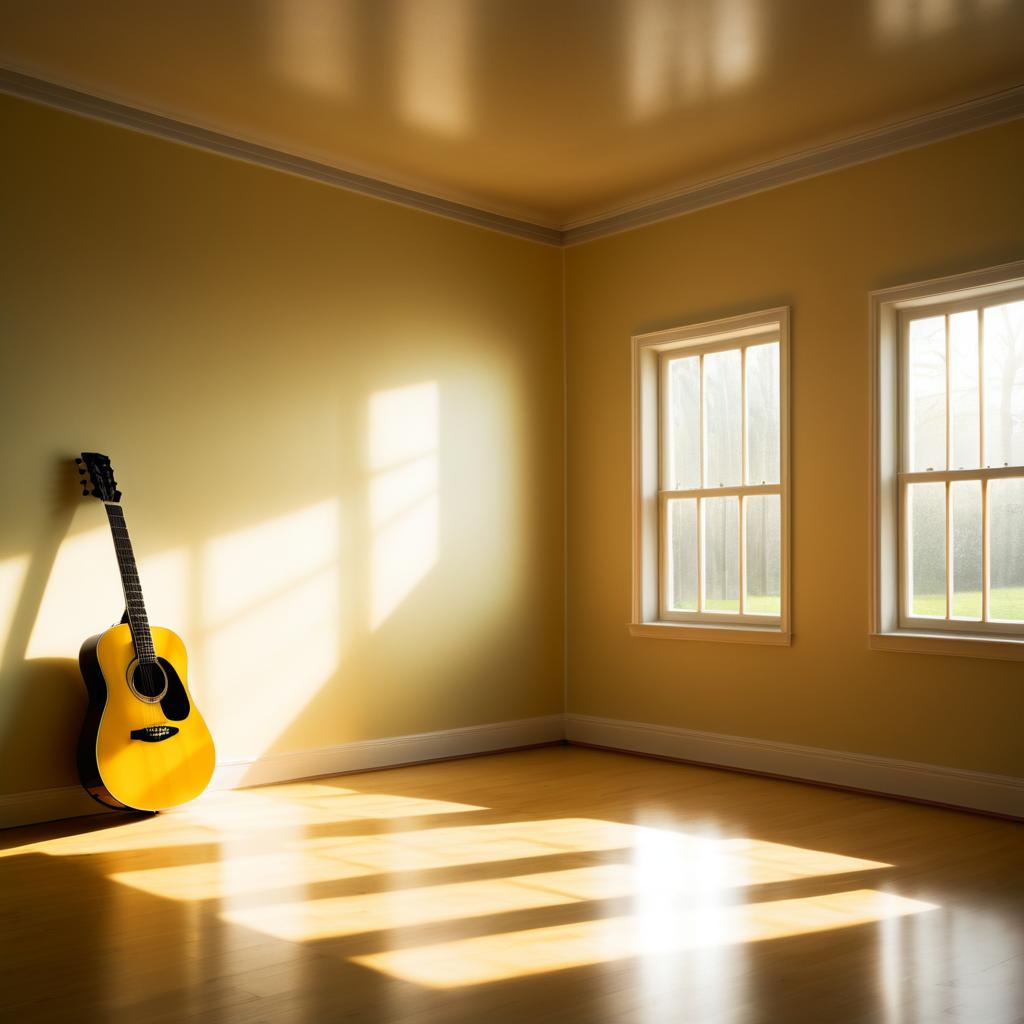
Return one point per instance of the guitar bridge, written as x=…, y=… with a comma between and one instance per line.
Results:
x=154, y=733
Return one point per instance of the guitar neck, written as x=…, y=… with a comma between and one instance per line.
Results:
x=138, y=620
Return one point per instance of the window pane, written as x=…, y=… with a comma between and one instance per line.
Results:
x=926, y=513
x=927, y=386
x=684, y=424
x=1004, y=385
x=763, y=414
x=721, y=554
x=682, y=546
x=1006, y=549
x=762, y=576
x=965, y=525
x=963, y=389
x=722, y=419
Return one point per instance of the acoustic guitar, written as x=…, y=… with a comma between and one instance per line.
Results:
x=144, y=746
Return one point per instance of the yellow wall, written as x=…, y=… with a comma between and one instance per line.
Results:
x=337, y=423
x=818, y=246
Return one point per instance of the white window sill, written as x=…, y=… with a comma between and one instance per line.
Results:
x=718, y=633
x=958, y=645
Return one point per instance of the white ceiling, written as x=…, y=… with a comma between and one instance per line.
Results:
x=553, y=111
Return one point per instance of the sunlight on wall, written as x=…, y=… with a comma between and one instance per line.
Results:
x=12, y=575
x=245, y=566
x=490, y=958
x=262, y=668
x=312, y=44
x=403, y=424
x=433, y=64
x=682, y=52
x=274, y=636
x=165, y=580
x=83, y=595
x=270, y=620
x=404, y=502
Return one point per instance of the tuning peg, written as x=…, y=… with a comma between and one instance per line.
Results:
x=79, y=461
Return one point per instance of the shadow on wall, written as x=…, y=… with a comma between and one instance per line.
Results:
x=50, y=689
x=336, y=618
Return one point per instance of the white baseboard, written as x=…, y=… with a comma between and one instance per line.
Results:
x=389, y=752
x=73, y=801
x=953, y=787
x=46, y=805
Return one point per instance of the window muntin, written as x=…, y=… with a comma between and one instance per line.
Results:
x=961, y=471
x=720, y=490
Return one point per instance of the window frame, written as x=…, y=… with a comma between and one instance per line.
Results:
x=652, y=355
x=891, y=309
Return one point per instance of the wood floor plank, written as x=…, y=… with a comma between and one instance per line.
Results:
x=559, y=884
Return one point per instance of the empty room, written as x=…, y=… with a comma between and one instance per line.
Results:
x=513, y=511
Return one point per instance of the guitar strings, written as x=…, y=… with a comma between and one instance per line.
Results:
x=150, y=715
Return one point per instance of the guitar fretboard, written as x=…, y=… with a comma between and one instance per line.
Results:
x=137, y=618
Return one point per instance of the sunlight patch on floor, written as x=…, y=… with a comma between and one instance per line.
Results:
x=491, y=958
x=256, y=810
x=311, y=919
x=685, y=861
x=333, y=858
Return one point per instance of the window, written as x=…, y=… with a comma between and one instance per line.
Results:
x=711, y=516
x=949, y=464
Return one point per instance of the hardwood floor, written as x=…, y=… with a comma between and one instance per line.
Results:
x=550, y=885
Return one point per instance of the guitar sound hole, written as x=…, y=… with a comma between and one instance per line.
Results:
x=149, y=682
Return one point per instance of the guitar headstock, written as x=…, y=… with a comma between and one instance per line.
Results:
x=97, y=477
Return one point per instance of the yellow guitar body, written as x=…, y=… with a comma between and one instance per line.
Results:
x=140, y=749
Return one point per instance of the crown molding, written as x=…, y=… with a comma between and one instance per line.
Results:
x=857, y=149
x=912, y=133
x=53, y=95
